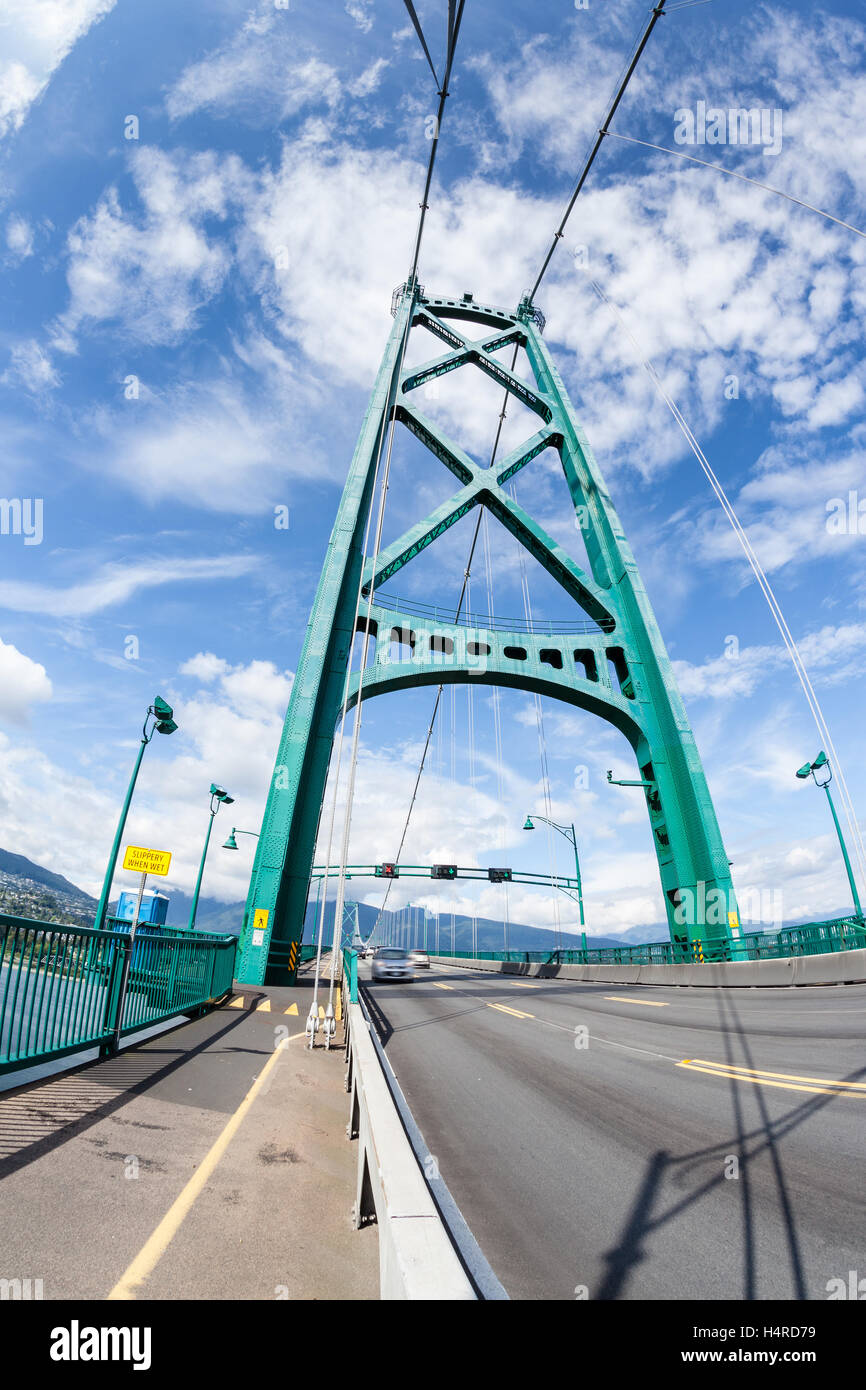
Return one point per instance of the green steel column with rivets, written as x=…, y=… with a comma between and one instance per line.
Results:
x=276, y=902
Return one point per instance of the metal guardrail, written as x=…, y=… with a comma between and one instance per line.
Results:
x=416, y=1257
x=547, y=627
x=62, y=987
x=813, y=938
x=350, y=973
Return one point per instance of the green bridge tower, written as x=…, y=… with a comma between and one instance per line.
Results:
x=613, y=663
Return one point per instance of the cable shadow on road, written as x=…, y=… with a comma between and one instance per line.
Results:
x=747, y=1145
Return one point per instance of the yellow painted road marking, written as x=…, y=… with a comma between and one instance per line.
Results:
x=783, y=1075
x=504, y=1009
x=264, y=1007
x=292, y=1009
x=440, y=985
x=237, y=1003
x=854, y=1090
x=650, y=1003
x=321, y=1011
x=338, y=1006
x=152, y=1252
x=524, y=984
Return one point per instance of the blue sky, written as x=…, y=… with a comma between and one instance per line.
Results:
x=193, y=319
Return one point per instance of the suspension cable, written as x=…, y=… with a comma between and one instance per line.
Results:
x=454, y=22
x=734, y=174
x=657, y=12
x=760, y=575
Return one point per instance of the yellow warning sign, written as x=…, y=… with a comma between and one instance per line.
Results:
x=147, y=861
x=260, y=919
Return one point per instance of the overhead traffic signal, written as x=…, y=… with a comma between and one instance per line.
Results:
x=443, y=871
x=387, y=871
x=499, y=875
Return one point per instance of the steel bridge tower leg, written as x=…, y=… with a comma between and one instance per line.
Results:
x=277, y=898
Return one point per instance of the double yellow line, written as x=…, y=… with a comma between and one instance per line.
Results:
x=819, y=1085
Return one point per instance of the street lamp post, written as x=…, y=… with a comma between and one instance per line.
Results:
x=163, y=723
x=218, y=796
x=822, y=764
x=569, y=833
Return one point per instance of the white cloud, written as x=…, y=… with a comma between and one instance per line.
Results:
x=23, y=682
x=257, y=74
x=236, y=442
x=835, y=402
x=19, y=237
x=114, y=584
x=839, y=653
x=35, y=37
x=31, y=368
x=152, y=273
x=359, y=11
x=205, y=667
x=369, y=79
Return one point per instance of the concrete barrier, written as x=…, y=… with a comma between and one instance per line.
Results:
x=838, y=967
x=416, y=1257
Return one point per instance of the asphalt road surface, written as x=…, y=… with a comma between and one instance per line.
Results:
x=628, y=1142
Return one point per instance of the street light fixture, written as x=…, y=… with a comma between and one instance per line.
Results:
x=163, y=723
x=218, y=797
x=822, y=765
x=231, y=842
x=569, y=833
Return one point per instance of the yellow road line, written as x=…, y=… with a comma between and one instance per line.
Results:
x=829, y=1088
x=440, y=985
x=504, y=1009
x=524, y=984
x=650, y=1003
x=153, y=1250
x=783, y=1075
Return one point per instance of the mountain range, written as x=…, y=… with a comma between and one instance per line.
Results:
x=29, y=890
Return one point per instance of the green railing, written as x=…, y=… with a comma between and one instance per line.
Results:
x=307, y=952
x=64, y=989
x=350, y=973
x=813, y=938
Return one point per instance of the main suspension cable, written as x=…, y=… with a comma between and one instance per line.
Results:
x=657, y=12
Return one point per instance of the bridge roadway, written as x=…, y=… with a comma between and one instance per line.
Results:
x=607, y=1166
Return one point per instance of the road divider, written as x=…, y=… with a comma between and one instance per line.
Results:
x=416, y=1257
x=819, y=1085
x=839, y=967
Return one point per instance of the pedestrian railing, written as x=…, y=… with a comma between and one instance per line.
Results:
x=813, y=938
x=64, y=989
x=350, y=973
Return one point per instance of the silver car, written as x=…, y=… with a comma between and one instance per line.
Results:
x=420, y=959
x=390, y=963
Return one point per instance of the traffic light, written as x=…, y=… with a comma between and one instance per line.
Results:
x=443, y=871
x=499, y=875
x=387, y=871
